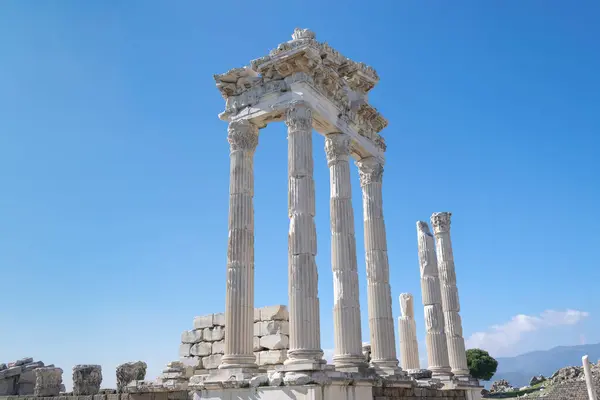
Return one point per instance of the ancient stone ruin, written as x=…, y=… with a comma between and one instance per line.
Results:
x=275, y=352
x=19, y=377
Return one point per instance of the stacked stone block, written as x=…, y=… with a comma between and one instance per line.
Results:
x=87, y=380
x=202, y=348
x=18, y=377
x=175, y=376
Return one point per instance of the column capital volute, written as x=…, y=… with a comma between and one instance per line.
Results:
x=407, y=305
x=337, y=147
x=298, y=116
x=242, y=135
x=370, y=170
x=441, y=222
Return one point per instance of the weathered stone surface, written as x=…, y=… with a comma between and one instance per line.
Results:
x=128, y=372
x=270, y=357
x=257, y=346
x=213, y=334
x=501, y=386
x=264, y=328
x=278, y=312
x=275, y=342
x=8, y=387
x=86, y=379
x=296, y=378
x=204, y=321
x=48, y=381
x=193, y=336
x=3, y=366
x=259, y=380
x=10, y=371
x=23, y=361
x=218, y=347
x=192, y=361
x=212, y=362
x=184, y=349
x=419, y=373
x=219, y=319
x=201, y=349
x=256, y=314
x=275, y=378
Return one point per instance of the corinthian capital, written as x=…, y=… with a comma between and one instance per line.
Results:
x=242, y=135
x=298, y=116
x=441, y=222
x=370, y=170
x=337, y=147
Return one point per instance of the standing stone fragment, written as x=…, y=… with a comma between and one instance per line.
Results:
x=86, y=379
x=131, y=371
x=409, y=348
x=48, y=381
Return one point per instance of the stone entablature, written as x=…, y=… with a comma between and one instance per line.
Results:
x=304, y=69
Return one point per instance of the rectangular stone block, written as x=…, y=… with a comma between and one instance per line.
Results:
x=278, y=312
x=212, y=362
x=201, y=349
x=218, y=347
x=204, y=321
x=193, y=336
x=195, y=362
x=256, y=314
x=219, y=319
x=201, y=371
x=214, y=334
x=274, y=327
x=275, y=342
x=257, y=328
x=7, y=387
x=256, y=344
x=11, y=371
x=184, y=349
x=271, y=357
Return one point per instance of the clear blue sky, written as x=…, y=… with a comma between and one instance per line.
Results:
x=114, y=166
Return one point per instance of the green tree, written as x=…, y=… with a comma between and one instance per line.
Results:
x=481, y=364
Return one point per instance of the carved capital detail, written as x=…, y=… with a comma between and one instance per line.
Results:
x=242, y=135
x=370, y=170
x=337, y=147
x=441, y=222
x=299, y=116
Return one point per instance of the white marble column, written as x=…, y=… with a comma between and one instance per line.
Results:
x=409, y=347
x=346, y=307
x=450, y=303
x=379, y=297
x=305, y=331
x=589, y=381
x=239, y=308
x=435, y=336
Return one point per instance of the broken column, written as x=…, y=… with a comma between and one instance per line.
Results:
x=86, y=379
x=589, y=382
x=48, y=381
x=450, y=302
x=346, y=307
x=379, y=295
x=239, y=296
x=131, y=371
x=409, y=347
x=435, y=337
x=305, y=330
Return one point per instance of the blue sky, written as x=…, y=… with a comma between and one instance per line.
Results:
x=114, y=166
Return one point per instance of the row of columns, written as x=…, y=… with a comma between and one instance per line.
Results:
x=446, y=352
x=305, y=349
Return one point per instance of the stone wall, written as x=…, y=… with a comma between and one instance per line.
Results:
x=392, y=393
x=18, y=377
x=202, y=348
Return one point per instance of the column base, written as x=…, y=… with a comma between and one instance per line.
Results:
x=345, y=361
x=442, y=373
x=238, y=362
x=304, y=360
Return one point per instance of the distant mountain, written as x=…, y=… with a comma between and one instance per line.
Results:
x=519, y=370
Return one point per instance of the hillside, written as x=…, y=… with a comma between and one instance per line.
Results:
x=519, y=370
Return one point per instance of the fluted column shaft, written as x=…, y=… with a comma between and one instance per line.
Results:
x=435, y=336
x=239, y=308
x=346, y=308
x=305, y=335
x=409, y=347
x=450, y=303
x=381, y=321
